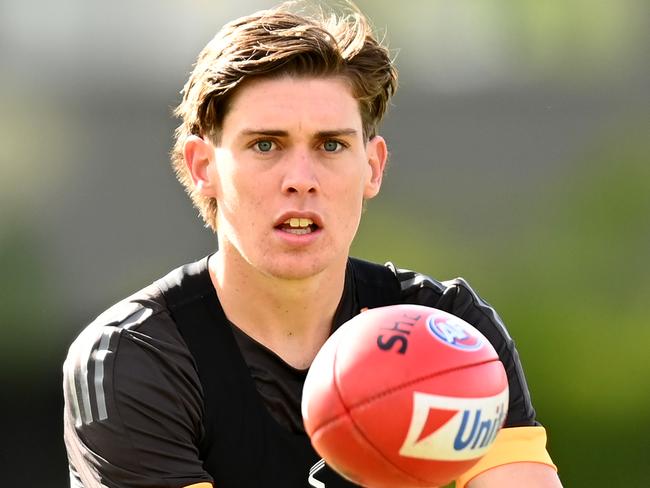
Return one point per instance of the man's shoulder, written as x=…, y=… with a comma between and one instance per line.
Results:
x=412, y=284
x=138, y=333
x=131, y=367
x=143, y=317
x=134, y=312
x=455, y=295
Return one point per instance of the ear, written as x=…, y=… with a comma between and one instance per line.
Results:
x=198, y=154
x=377, y=154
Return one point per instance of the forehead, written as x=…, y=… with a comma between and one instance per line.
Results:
x=286, y=102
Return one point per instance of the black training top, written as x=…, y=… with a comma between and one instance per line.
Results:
x=153, y=400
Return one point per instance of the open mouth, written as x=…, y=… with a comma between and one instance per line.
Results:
x=298, y=226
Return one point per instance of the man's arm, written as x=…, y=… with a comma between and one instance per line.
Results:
x=516, y=475
x=517, y=458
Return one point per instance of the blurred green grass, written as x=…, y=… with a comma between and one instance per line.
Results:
x=572, y=282
x=565, y=261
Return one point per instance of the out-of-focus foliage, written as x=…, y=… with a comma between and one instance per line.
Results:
x=573, y=286
x=520, y=160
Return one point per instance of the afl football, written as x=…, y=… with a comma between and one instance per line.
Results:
x=404, y=396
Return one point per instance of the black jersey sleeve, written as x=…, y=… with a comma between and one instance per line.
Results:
x=133, y=401
x=458, y=298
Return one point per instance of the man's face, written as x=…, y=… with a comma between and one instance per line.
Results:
x=290, y=175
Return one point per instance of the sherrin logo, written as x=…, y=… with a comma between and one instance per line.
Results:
x=453, y=429
x=454, y=332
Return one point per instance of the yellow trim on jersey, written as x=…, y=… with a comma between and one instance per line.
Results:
x=199, y=485
x=512, y=445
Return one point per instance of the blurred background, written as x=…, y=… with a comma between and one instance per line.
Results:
x=520, y=160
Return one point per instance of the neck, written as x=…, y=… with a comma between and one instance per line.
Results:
x=292, y=317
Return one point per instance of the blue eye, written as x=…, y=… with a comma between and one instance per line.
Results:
x=331, y=146
x=264, y=146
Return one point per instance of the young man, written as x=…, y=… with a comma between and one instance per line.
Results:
x=196, y=380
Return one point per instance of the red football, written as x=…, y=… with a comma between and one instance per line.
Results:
x=404, y=396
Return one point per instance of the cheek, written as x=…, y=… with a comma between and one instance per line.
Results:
x=246, y=202
x=234, y=187
x=351, y=203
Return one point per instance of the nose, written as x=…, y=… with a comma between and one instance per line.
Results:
x=300, y=175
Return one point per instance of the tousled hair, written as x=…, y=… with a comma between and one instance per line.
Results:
x=274, y=43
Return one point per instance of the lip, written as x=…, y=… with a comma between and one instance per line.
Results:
x=299, y=240
x=314, y=217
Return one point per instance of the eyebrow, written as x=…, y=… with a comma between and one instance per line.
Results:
x=283, y=133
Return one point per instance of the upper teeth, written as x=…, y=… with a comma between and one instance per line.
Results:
x=295, y=222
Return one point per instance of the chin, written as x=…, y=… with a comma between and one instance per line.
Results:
x=293, y=268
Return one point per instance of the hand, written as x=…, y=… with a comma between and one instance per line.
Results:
x=516, y=475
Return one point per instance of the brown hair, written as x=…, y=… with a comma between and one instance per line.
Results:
x=274, y=43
